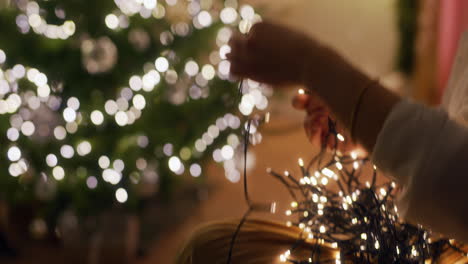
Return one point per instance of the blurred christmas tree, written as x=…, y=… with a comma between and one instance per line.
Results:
x=107, y=102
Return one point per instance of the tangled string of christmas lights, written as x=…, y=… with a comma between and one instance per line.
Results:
x=336, y=208
x=357, y=218
x=252, y=206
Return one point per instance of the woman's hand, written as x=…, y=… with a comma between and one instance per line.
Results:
x=316, y=123
x=316, y=119
x=271, y=54
x=276, y=55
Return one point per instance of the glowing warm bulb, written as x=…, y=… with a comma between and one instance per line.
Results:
x=84, y=148
x=339, y=166
x=227, y=152
x=162, y=64
x=315, y=198
x=112, y=21
x=345, y=206
x=301, y=91
x=150, y=4
x=324, y=181
x=208, y=72
x=111, y=176
x=414, y=252
x=383, y=192
x=13, y=134
x=338, y=254
x=58, y=173
x=67, y=151
x=174, y=164
x=73, y=103
x=14, y=153
x=356, y=165
x=313, y=180
x=69, y=27
x=35, y=20
x=60, y=132
x=2, y=56
x=51, y=160
x=195, y=170
x=28, y=128
x=191, y=68
x=228, y=15
x=383, y=207
x=327, y=172
x=111, y=107
x=121, y=118
x=301, y=162
x=121, y=195
x=340, y=137
x=273, y=208
x=204, y=18
x=139, y=101
x=322, y=229
x=97, y=117
x=118, y=165
x=283, y=258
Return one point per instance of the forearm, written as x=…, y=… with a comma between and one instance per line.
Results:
x=340, y=85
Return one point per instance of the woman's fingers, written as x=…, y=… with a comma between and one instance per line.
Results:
x=314, y=126
x=312, y=132
x=331, y=142
x=316, y=104
x=300, y=101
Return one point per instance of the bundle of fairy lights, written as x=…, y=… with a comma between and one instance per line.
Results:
x=336, y=207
